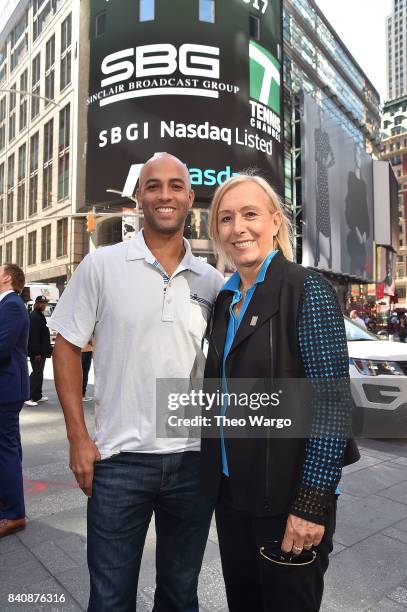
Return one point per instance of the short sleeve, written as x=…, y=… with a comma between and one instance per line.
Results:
x=75, y=315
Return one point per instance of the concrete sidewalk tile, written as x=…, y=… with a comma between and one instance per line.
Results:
x=398, y=534
x=400, y=461
x=211, y=590
x=385, y=456
x=75, y=547
x=76, y=582
x=401, y=525
x=374, y=580
x=399, y=595
x=52, y=470
x=337, y=548
x=10, y=543
x=144, y=603
x=387, y=605
x=362, y=517
x=373, y=479
x=397, y=492
x=364, y=462
x=21, y=569
x=213, y=534
x=54, y=559
x=61, y=599
x=45, y=505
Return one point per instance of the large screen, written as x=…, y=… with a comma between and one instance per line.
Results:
x=199, y=79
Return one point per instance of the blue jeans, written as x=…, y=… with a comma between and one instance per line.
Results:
x=127, y=489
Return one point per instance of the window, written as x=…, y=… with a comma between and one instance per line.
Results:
x=1, y=194
x=2, y=123
x=21, y=202
x=23, y=100
x=49, y=69
x=41, y=19
x=47, y=186
x=63, y=161
x=10, y=189
x=48, y=140
x=46, y=243
x=47, y=168
x=33, y=189
x=207, y=10
x=18, y=41
x=21, y=162
x=12, y=113
x=100, y=24
x=66, y=37
x=62, y=237
x=254, y=27
x=20, y=252
x=35, y=86
x=9, y=252
x=32, y=248
x=146, y=10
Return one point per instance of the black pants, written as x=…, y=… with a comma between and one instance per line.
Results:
x=36, y=378
x=86, y=361
x=256, y=584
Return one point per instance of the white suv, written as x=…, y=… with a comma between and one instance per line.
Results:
x=378, y=372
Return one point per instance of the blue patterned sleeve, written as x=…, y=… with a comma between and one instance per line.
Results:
x=324, y=352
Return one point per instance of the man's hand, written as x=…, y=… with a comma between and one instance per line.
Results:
x=300, y=534
x=83, y=453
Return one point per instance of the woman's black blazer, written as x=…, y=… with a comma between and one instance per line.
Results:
x=293, y=328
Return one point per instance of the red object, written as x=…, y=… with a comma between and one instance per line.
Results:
x=380, y=291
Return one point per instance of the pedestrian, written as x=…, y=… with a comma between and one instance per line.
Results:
x=39, y=349
x=86, y=363
x=275, y=495
x=14, y=389
x=146, y=302
x=403, y=328
x=357, y=319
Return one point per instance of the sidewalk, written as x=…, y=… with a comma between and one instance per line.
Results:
x=368, y=570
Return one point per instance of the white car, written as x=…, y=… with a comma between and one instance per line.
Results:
x=378, y=372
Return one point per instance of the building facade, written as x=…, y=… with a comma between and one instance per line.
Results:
x=394, y=149
x=38, y=139
x=396, y=48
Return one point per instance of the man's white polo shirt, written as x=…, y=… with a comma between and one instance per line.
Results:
x=145, y=326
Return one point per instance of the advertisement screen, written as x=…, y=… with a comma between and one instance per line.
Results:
x=200, y=80
x=337, y=197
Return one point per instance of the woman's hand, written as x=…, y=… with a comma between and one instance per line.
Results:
x=300, y=534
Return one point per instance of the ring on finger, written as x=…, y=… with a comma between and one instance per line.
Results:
x=297, y=549
x=307, y=546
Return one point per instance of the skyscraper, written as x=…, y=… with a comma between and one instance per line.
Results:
x=396, y=42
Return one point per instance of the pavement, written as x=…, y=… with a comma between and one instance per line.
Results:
x=368, y=568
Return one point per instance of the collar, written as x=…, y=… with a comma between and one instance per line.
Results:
x=137, y=249
x=233, y=283
x=3, y=295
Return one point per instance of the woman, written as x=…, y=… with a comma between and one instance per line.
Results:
x=275, y=497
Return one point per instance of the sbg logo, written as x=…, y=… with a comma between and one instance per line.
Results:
x=160, y=60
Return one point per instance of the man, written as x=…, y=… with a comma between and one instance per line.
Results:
x=14, y=325
x=356, y=319
x=39, y=348
x=146, y=302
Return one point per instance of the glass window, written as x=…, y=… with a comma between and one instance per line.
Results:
x=48, y=140
x=146, y=10
x=66, y=33
x=32, y=248
x=20, y=252
x=47, y=186
x=21, y=202
x=21, y=162
x=46, y=243
x=50, y=53
x=62, y=237
x=64, y=128
x=207, y=10
x=63, y=176
x=9, y=252
x=100, y=24
x=254, y=27
x=34, y=152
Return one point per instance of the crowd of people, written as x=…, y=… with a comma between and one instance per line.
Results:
x=274, y=500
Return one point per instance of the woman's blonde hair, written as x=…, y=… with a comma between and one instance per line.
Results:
x=283, y=239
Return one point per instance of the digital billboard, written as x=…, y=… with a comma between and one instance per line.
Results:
x=337, y=187
x=208, y=92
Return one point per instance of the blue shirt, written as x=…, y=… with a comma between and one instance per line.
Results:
x=233, y=284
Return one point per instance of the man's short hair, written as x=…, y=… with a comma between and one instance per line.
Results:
x=17, y=276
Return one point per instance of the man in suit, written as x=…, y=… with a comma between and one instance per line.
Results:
x=14, y=389
x=39, y=348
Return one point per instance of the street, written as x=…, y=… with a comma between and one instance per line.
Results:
x=368, y=570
